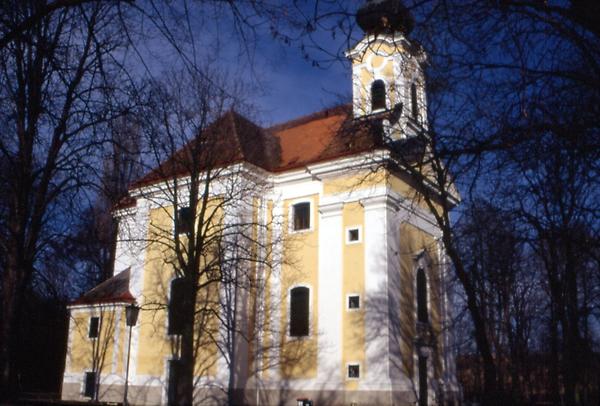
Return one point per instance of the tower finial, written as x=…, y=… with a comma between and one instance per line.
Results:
x=384, y=16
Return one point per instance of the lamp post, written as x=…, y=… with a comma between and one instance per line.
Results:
x=131, y=315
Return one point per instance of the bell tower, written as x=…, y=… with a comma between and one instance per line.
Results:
x=387, y=70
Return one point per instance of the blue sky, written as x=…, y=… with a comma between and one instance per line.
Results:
x=280, y=83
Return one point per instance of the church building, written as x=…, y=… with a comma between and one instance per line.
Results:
x=325, y=281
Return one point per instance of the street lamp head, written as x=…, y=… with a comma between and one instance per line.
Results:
x=131, y=314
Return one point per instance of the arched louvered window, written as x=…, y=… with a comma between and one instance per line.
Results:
x=414, y=102
x=422, y=296
x=176, y=309
x=377, y=95
x=299, y=311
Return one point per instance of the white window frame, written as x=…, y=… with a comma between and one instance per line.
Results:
x=353, y=363
x=348, y=308
x=311, y=211
x=347, y=232
x=289, y=313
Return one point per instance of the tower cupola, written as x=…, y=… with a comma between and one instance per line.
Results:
x=380, y=16
x=388, y=81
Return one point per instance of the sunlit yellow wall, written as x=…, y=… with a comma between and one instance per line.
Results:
x=357, y=181
x=361, y=180
x=353, y=321
x=89, y=354
x=412, y=241
x=156, y=347
x=299, y=355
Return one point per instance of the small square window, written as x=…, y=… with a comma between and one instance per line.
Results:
x=184, y=220
x=301, y=216
x=354, y=302
x=353, y=235
x=94, y=324
x=353, y=371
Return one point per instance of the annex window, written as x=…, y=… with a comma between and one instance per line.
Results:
x=353, y=235
x=422, y=296
x=176, y=310
x=353, y=302
x=414, y=102
x=301, y=216
x=89, y=384
x=353, y=371
x=299, y=311
x=377, y=95
x=184, y=221
x=94, y=327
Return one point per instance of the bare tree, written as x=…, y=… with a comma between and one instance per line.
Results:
x=209, y=225
x=54, y=90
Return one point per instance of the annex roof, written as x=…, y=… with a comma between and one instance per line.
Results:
x=112, y=290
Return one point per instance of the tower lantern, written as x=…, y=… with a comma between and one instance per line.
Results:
x=387, y=70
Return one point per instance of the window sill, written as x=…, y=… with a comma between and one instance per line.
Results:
x=303, y=231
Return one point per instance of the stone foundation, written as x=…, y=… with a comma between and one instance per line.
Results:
x=153, y=395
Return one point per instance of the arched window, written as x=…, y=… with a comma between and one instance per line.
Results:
x=414, y=102
x=422, y=296
x=299, y=311
x=176, y=309
x=377, y=95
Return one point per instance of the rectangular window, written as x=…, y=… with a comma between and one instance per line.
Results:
x=354, y=302
x=94, y=324
x=301, y=214
x=184, y=221
x=353, y=371
x=299, y=311
x=90, y=384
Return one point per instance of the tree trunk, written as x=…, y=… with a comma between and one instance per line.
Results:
x=185, y=382
x=13, y=284
x=571, y=329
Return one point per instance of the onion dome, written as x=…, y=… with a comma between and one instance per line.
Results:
x=384, y=16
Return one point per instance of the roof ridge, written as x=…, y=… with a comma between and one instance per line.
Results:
x=330, y=111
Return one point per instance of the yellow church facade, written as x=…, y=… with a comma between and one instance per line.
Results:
x=345, y=299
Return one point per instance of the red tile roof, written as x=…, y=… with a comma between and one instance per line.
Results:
x=322, y=136
x=231, y=138
x=112, y=290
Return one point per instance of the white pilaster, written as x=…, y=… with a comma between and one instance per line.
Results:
x=275, y=276
x=377, y=368
x=329, y=371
